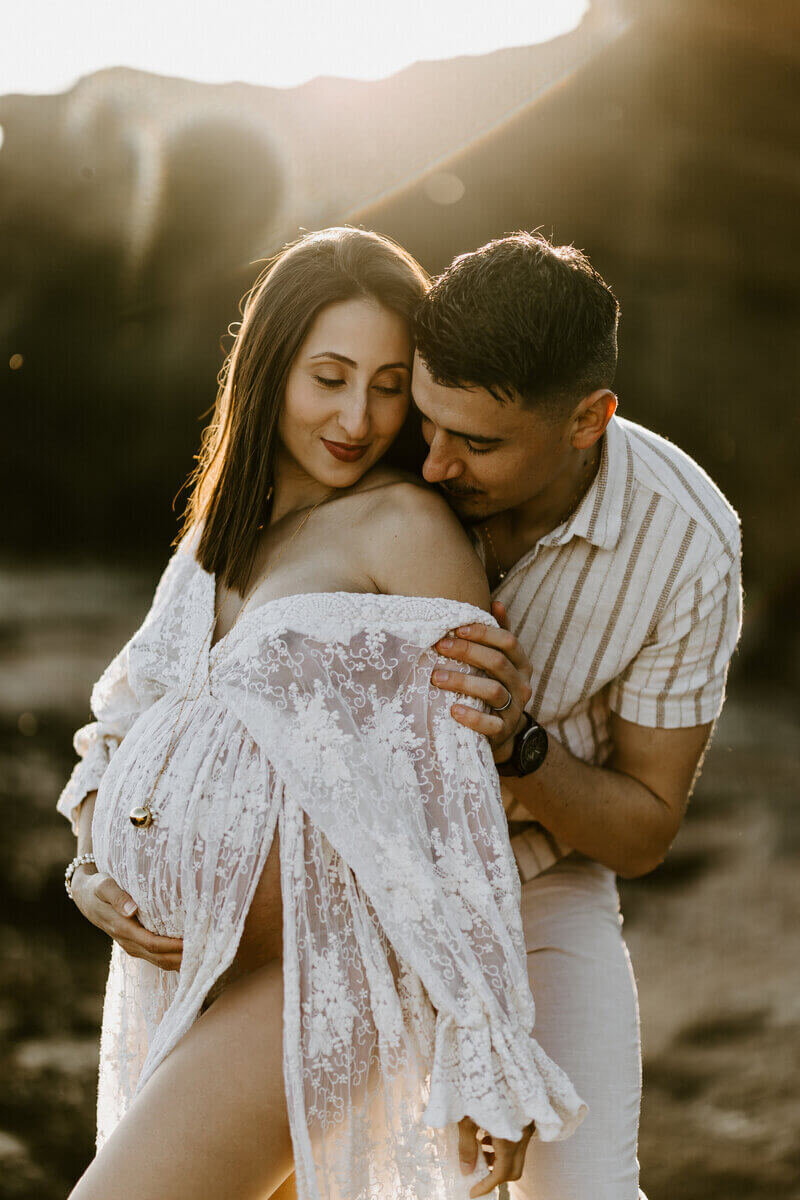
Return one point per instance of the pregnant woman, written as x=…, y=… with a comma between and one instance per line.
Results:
x=334, y=973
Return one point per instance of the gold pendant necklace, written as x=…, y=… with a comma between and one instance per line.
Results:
x=142, y=815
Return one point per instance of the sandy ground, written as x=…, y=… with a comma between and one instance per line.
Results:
x=714, y=934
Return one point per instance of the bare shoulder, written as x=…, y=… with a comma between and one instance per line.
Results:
x=414, y=545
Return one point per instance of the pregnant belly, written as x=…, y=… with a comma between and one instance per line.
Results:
x=212, y=810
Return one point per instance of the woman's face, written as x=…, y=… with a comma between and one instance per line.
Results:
x=348, y=390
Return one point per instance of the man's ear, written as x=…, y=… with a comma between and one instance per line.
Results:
x=591, y=417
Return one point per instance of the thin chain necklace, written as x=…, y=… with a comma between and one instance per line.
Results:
x=501, y=574
x=142, y=815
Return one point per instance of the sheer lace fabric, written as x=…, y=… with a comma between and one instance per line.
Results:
x=406, y=997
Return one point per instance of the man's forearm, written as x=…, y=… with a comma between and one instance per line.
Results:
x=603, y=813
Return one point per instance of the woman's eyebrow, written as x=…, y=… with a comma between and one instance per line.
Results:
x=349, y=362
x=339, y=357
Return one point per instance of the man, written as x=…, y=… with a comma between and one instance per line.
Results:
x=616, y=560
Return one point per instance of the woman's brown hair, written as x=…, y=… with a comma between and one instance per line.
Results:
x=231, y=485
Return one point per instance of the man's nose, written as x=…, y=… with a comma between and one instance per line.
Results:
x=438, y=467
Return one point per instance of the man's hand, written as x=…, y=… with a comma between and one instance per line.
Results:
x=508, y=671
x=508, y=1157
x=104, y=903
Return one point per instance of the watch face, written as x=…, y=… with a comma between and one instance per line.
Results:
x=533, y=749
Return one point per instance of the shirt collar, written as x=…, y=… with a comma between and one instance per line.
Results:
x=601, y=513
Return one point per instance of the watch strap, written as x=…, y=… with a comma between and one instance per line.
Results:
x=511, y=765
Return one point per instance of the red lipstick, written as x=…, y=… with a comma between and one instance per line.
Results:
x=344, y=451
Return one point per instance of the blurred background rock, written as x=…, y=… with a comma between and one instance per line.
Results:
x=134, y=210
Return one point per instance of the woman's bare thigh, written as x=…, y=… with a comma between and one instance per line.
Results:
x=211, y=1122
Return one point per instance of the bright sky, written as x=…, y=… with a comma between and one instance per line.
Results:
x=46, y=47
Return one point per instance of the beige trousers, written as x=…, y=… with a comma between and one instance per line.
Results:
x=587, y=1019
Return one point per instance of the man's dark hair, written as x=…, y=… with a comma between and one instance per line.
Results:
x=520, y=315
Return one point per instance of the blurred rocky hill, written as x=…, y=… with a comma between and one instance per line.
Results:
x=659, y=136
x=133, y=211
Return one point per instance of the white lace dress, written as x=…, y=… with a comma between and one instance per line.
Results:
x=406, y=997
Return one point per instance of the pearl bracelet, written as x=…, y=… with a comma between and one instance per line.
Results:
x=72, y=868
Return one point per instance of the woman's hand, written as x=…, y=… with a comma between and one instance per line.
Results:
x=103, y=902
x=508, y=1161
x=508, y=672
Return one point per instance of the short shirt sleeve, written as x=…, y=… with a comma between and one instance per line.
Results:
x=678, y=678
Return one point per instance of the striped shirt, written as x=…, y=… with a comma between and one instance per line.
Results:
x=632, y=606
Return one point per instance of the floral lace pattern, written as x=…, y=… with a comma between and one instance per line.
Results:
x=406, y=996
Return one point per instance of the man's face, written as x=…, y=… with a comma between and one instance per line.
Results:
x=486, y=456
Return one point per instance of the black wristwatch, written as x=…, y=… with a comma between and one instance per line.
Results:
x=530, y=750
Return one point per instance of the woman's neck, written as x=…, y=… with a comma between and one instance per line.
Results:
x=294, y=488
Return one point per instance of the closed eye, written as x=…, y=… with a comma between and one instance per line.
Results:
x=329, y=383
x=470, y=448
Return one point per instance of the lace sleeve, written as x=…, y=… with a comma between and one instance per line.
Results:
x=486, y=1062
x=115, y=706
x=115, y=709
x=410, y=800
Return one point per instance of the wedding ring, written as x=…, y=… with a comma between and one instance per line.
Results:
x=503, y=707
